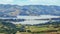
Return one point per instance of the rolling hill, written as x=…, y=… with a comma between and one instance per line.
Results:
x=28, y=10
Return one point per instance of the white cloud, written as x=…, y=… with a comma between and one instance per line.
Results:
x=42, y=2
x=6, y=1
x=31, y=2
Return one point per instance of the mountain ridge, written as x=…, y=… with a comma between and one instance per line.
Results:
x=28, y=10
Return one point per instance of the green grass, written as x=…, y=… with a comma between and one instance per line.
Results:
x=39, y=29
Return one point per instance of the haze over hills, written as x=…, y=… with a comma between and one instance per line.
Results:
x=27, y=10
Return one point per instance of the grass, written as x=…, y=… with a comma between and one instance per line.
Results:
x=40, y=29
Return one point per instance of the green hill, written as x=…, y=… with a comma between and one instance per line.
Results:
x=7, y=28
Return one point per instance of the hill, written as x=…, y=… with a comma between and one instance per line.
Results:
x=27, y=10
x=7, y=28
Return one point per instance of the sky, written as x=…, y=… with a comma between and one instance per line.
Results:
x=31, y=2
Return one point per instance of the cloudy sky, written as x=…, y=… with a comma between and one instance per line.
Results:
x=31, y=2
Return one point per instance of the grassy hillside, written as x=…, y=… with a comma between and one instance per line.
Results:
x=9, y=28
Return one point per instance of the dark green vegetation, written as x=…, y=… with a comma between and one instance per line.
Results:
x=9, y=28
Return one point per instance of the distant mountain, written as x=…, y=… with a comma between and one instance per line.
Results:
x=27, y=10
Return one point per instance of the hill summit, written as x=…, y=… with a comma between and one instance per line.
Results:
x=28, y=10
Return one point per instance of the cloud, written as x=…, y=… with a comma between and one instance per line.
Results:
x=39, y=2
x=31, y=2
x=6, y=1
x=45, y=2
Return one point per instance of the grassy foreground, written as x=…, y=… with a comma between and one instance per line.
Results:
x=9, y=28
